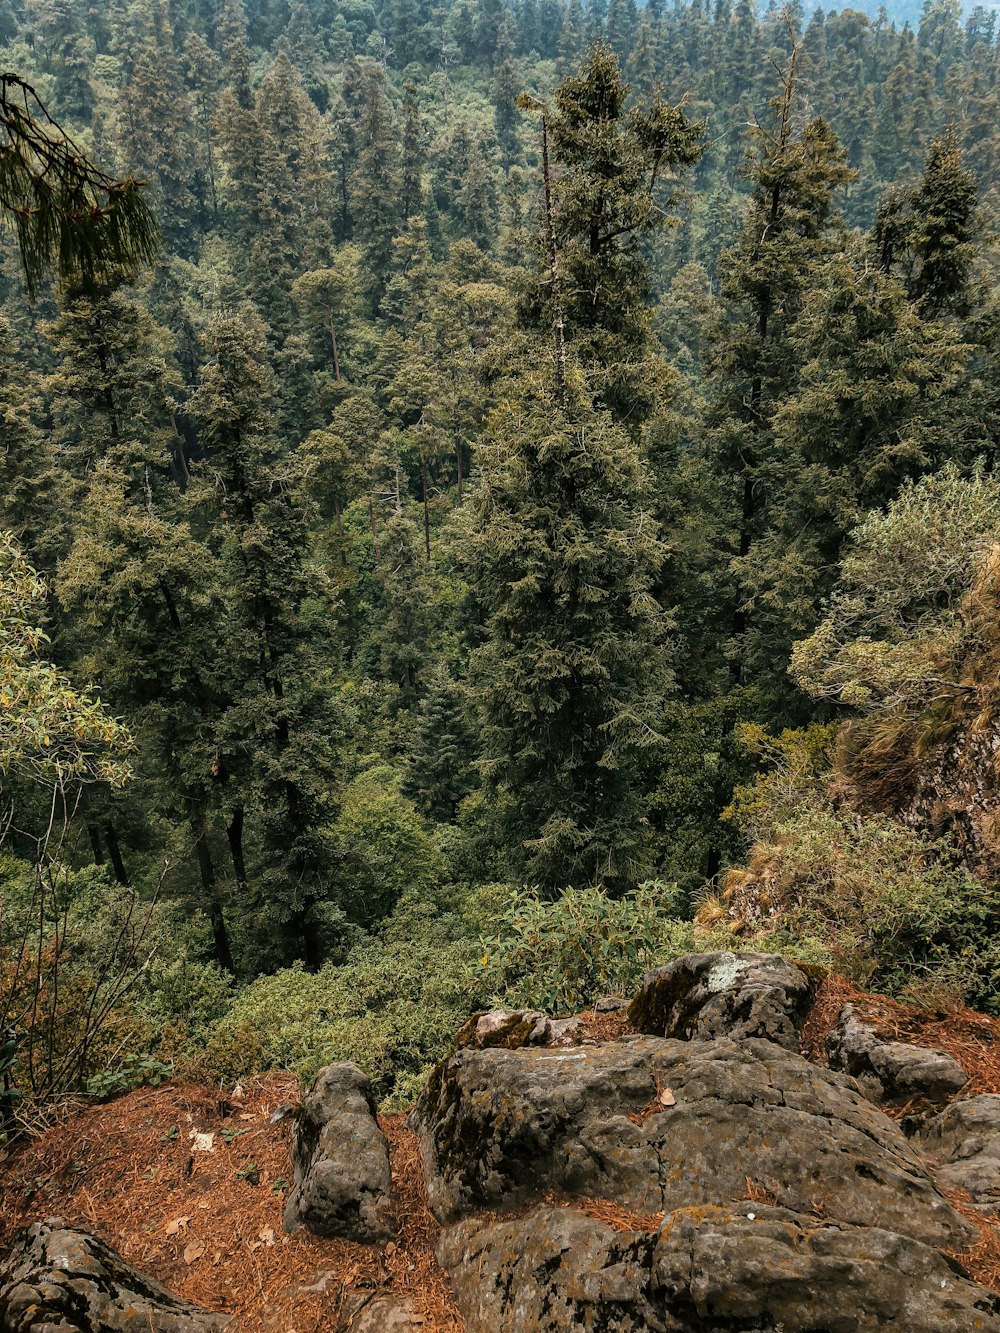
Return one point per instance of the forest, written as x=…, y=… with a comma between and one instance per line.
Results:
x=533, y=515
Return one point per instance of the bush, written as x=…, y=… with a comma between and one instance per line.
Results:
x=565, y=954
x=894, y=911
x=392, y=1009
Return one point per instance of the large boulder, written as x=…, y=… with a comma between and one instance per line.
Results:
x=707, y=995
x=655, y=1125
x=893, y=1072
x=966, y=1137
x=706, y=1270
x=343, y=1182
x=59, y=1279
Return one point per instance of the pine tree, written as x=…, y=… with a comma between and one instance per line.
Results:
x=277, y=734
x=789, y=229
x=376, y=185
x=564, y=553
x=601, y=205
x=927, y=234
x=880, y=399
x=67, y=214
x=155, y=132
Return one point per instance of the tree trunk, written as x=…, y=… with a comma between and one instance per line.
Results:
x=427, y=520
x=234, y=833
x=220, y=935
x=333, y=344
x=94, y=834
x=558, y=323
x=115, y=853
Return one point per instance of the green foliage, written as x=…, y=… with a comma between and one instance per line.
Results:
x=67, y=214
x=392, y=1009
x=568, y=682
x=136, y=1071
x=563, y=955
x=49, y=731
x=443, y=507
x=382, y=846
x=894, y=912
x=897, y=621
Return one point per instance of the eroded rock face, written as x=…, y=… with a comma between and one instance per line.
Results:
x=342, y=1179
x=707, y=1270
x=891, y=1071
x=58, y=1279
x=966, y=1137
x=707, y=995
x=655, y=1125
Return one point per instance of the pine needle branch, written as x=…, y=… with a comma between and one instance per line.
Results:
x=67, y=214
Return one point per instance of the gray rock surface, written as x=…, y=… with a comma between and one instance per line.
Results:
x=965, y=1136
x=341, y=1159
x=707, y=995
x=707, y=1270
x=498, y=1128
x=508, y=1028
x=511, y=1028
x=59, y=1279
x=371, y=1312
x=891, y=1071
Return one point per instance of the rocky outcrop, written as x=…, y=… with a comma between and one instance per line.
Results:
x=511, y=1028
x=707, y=995
x=705, y=1270
x=891, y=1071
x=965, y=1137
x=341, y=1158
x=657, y=1125
x=59, y=1279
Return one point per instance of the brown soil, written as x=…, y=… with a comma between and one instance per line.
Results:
x=971, y=1038
x=208, y=1223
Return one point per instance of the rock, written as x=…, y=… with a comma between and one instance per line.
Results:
x=341, y=1160
x=656, y=1124
x=966, y=1136
x=375, y=1312
x=59, y=1279
x=508, y=1028
x=610, y=1004
x=707, y=1270
x=891, y=1071
x=511, y=1028
x=707, y=995
x=564, y=1031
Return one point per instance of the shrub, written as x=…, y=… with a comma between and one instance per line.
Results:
x=894, y=911
x=392, y=1009
x=566, y=953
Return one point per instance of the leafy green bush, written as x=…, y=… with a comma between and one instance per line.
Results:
x=565, y=954
x=894, y=911
x=393, y=1009
x=384, y=846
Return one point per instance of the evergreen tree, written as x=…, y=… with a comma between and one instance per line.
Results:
x=600, y=206
x=277, y=734
x=376, y=182
x=788, y=230
x=564, y=554
x=928, y=234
